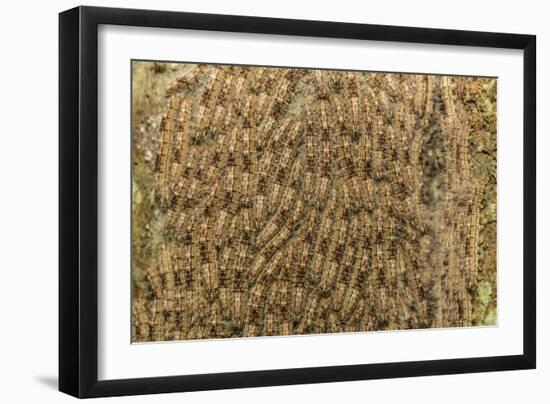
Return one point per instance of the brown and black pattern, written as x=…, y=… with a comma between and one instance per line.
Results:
x=295, y=201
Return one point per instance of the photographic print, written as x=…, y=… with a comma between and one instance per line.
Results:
x=271, y=201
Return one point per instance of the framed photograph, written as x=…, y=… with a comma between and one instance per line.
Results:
x=251, y=201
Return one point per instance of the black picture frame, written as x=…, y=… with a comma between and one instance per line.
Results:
x=78, y=201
